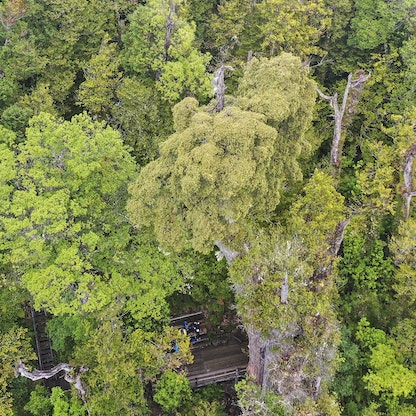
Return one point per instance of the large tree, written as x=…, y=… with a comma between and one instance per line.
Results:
x=220, y=170
x=218, y=179
x=67, y=237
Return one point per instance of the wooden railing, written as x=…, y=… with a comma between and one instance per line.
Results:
x=219, y=376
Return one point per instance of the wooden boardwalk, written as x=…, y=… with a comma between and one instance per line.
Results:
x=216, y=364
x=223, y=359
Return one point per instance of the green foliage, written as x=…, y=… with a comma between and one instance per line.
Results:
x=388, y=375
x=281, y=89
x=376, y=180
x=374, y=22
x=215, y=179
x=74, y=175
x=16, y=118
x=269, y=27
x=39, y=100
x=172, y=391
x=66, y=331
x=57, y=403
x=121, y=363
x=206, y=286
x=368, y=336
x=14, y=346
x=141, y=117
x=97, y=93
x=293, y=26
x=231, y=178
x=253, y=401
x=403, y=247
x=159, y=46
x=364, y=263
x=39, y=403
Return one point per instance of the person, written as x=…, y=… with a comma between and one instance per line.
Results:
x=174, y=347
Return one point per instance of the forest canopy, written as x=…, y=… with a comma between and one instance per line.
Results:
x=253, y=160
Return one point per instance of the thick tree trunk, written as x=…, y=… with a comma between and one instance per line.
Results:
x=256, y=349
x=170, y=24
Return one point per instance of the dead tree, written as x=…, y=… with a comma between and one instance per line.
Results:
x=353, y=88
x=169, y=25
x=219, y=86
x=408, y=191
x=72, y=375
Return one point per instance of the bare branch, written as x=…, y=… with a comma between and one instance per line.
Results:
x=339, y=236
x=356, y=87
x=284, y=291
x=35, y=375
x=226, y=252
x=322, y=95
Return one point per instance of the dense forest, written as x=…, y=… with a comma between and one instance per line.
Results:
x=242, y=157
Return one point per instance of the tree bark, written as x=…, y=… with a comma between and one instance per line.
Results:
x=170, y=24
x=226, y=252
x=356, y=87
x=219, y=86
x=256, y=349
x=338, y=236
x=408, y=191
x=35, y=375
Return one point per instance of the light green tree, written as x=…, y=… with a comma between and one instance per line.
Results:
x=172, y=391
x=67, y=236
x=245, y=27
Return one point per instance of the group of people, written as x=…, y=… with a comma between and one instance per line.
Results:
x=192, y=329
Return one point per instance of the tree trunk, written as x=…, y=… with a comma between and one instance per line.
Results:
x=256, y=348
x=170, y=24
x=219, y=86
x=408, y=191
x=355, y=87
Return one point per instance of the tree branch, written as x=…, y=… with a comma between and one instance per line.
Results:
x=338, y=236
x=226, y=252
x=356, y=86
x=35, y=375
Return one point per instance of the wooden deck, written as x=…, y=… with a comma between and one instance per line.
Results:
x=222, y=359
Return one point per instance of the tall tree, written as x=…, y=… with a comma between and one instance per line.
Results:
x=208, y=181
x=223, y=172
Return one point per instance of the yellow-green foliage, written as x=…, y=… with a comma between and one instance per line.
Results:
x=220, y=169
x=208, y=178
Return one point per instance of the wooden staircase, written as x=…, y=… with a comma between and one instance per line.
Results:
x=43, y=342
